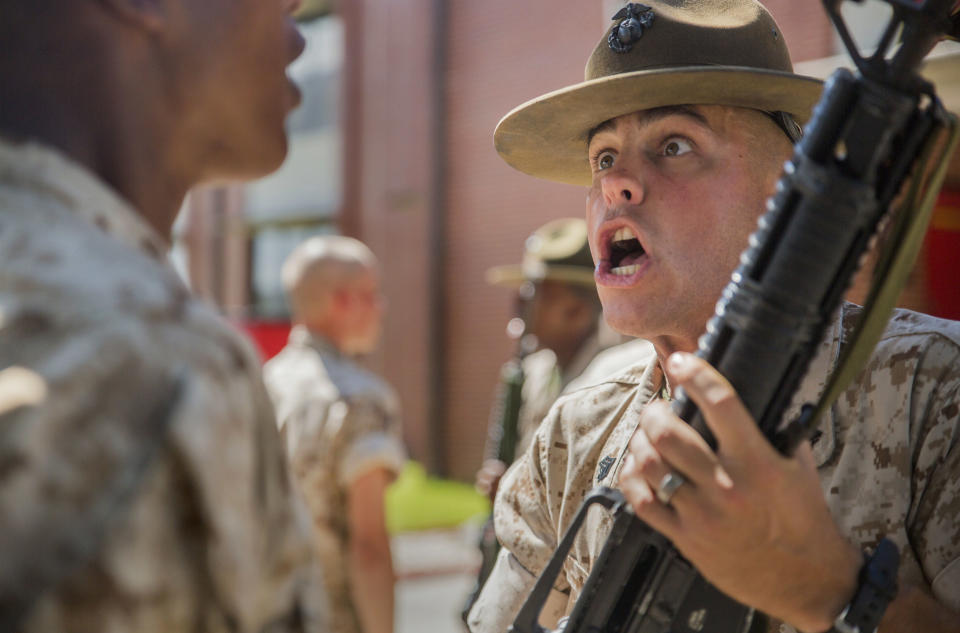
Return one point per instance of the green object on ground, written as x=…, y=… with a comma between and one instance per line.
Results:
x=416, y=501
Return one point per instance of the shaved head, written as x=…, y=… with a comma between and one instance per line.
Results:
x=320, y=266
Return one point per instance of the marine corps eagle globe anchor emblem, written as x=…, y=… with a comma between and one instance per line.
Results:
x=634, y=18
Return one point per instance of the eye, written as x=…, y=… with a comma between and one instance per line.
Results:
x=676, y=146
x=604, y=160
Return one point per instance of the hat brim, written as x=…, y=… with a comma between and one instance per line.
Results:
x=513, y=276
x=547, y=136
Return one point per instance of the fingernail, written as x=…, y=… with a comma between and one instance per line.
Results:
x=677, y=361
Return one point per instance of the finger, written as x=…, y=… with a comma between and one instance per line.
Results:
x=654, y=471
x=722, y=409
x=647, y=462
x=678, y=444
x=644, y=502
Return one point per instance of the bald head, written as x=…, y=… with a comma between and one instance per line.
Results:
x=319, y=267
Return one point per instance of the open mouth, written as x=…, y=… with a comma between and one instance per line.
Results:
x=625, y=252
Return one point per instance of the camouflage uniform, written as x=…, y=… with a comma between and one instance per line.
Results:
x=544, y=382
x=339, y=421
x=888, y=460
x=142, y=483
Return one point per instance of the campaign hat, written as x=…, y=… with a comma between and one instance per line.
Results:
x=660, y=53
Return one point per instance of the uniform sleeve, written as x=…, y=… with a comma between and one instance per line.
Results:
x=935, y=529
x=173, y=486
x=504, y=593
x=79, y=440
x=369, y=439
x=526, y=531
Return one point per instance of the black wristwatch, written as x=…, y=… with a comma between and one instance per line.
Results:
x=876, y=588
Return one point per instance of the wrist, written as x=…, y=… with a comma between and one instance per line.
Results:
x=876, y=589
x=839, y=591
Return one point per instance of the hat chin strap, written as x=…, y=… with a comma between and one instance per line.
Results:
x=787, y=123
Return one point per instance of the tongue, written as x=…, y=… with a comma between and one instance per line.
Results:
x=631, y=259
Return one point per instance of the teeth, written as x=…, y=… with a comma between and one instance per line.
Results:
x=625, y=270
x=624, y=233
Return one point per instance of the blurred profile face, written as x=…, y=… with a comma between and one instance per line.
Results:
x=676, y=193
x=228, y=79
x=556, y=315
x=362, y=313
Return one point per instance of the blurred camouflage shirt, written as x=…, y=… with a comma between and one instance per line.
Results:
x=888, y=457
x=339, y=421
x=142, y=484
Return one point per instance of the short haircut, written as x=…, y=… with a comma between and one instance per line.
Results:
x=319, y=266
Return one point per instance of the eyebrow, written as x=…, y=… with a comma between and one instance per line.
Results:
x=653, y=115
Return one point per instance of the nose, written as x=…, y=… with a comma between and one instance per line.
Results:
x=621, y=186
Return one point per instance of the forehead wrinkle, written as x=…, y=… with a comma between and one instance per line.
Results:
x=651, y=116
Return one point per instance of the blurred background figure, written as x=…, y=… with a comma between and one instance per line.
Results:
x=561, y=344
x=340, y=424
x=143, y=484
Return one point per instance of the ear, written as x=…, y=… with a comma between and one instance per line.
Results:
x=150, y=15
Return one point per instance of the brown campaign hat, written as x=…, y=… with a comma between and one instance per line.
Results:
x=664, y=52
x=557, y=251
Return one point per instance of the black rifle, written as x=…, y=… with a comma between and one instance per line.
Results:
x=867, y=134
x=504, y=432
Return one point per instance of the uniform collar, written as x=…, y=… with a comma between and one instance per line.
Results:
x=302, y=337
x=49, y=173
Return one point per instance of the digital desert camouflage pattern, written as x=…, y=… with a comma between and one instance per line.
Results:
x=597, y=358
x=338, y=421
x=888, y=458
x=142, y=483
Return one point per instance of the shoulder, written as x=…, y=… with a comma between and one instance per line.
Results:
x=298, y=371
x=907, y=329
x=914, y=350
x=906, y=323
x=358, y=384
x=539, y=362
x=51, y=256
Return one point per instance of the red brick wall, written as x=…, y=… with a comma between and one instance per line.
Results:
x=805, y=27
x=502, y=53
x=387, y=185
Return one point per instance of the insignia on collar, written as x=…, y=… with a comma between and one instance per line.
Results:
x=634, y=18
x=604, y=467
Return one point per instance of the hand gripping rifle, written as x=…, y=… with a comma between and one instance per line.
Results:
x=870, y=133
x=504, y=431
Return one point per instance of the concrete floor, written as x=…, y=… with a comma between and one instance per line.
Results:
x=435, y=571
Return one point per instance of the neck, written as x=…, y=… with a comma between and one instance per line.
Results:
x=118, y=134
x=327, y=330
x=666, y=345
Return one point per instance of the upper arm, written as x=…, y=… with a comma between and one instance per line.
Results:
x=366, y=516
x=522, y=513
x=368, y=439
x=934, y=527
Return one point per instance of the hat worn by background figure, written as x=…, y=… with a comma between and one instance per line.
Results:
x=665, y=52
x=557, y=251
